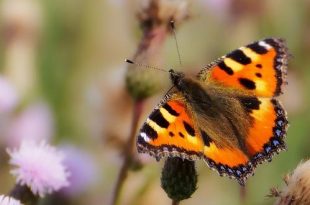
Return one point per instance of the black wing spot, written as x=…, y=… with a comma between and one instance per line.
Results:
x=170, y=110
x=222, y=65
x=259, y=65
x=171, y=134
x=250, y=103
x=259, y=75
x=189, y=129
x=240, y=57
x=206, y=139
x=249, y=84
x=257, y=48
x=149, y=131
x=181, y=134
x=159, y=119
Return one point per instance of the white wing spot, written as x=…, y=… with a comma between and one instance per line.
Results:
x=145, y=137
x=264, y=44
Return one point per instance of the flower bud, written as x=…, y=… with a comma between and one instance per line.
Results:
x=179, y=178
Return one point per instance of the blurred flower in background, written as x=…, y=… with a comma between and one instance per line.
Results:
x=82, y=169
x=8, y=96
x=35, y=122
x=39, y=166
x=6, y=200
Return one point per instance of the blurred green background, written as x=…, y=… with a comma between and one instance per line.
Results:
x=70, y=55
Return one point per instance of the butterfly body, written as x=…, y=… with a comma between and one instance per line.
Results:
x=227, y=115
x=215, y=111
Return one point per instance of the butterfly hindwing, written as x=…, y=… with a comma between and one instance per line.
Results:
x=264, y=137
x=169, y=131
x=258, y=68
x=229, y=161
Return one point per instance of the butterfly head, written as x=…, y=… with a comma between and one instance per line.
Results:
x=176, y=77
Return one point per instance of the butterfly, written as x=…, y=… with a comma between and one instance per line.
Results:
x=227, y=115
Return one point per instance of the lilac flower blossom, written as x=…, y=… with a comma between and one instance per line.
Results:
x=6, y=200
x=38, y=166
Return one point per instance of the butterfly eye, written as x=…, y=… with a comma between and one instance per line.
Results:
x=175, y=77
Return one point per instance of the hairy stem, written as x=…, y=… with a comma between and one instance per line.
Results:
x=243, y=194
x=128, y=152
x=174, y=202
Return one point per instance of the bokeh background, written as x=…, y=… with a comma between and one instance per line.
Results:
x=62, y=79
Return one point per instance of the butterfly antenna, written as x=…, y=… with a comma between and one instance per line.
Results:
x=142, y=65
x=175, y=39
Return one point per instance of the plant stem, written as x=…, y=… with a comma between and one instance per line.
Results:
x=243, y=194
x=174, y=202
x=128, y=152
x=24, y=194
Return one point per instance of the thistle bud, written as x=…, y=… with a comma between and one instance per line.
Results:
x=179, y=178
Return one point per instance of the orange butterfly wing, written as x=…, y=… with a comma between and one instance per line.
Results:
x=265, y=138
x=169, y=131
x=257, y=69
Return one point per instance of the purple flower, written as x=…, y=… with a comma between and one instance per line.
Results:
x=38, y=166
x=82, y=170
x=8, y=96
x=6, y=200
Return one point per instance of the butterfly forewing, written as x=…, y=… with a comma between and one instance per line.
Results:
x=169, y=131
x=258, y=68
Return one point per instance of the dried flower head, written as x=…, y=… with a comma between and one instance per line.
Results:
x=162, y=11
x=38, y=166
x=154, y=17
x=21, y=17
x=297, y=190
x=6, y=200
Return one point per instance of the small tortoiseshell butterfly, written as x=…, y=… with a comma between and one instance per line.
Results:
x=227, y=115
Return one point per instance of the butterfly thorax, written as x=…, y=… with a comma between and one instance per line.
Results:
x=191, y=89
x=215, y=111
